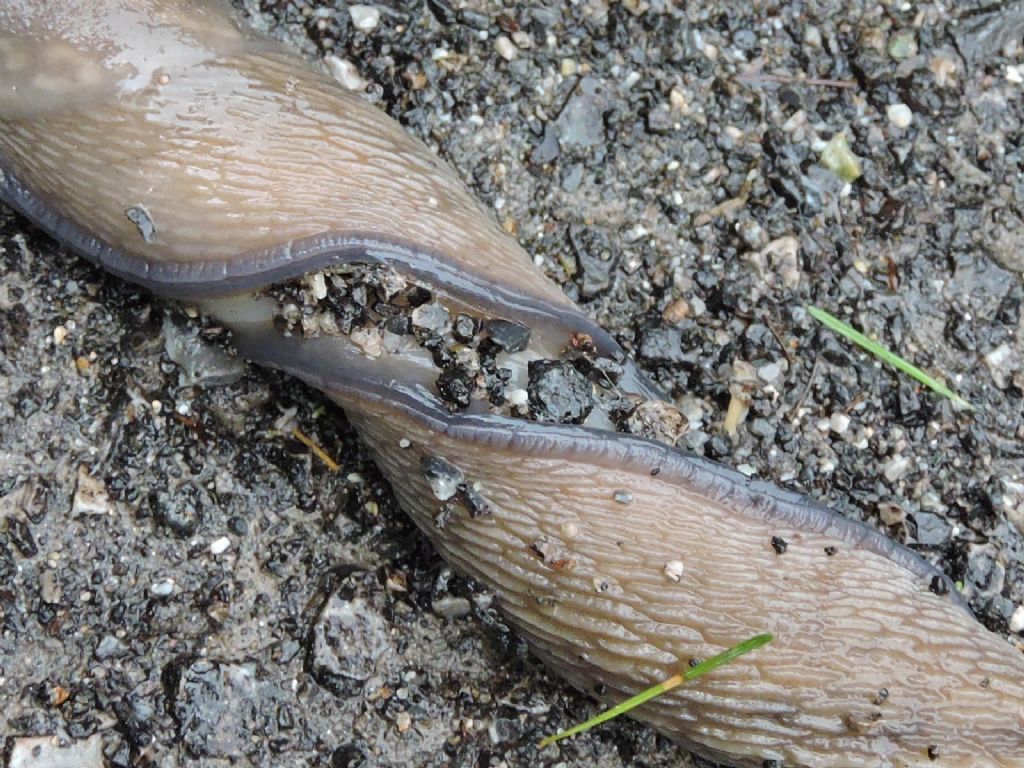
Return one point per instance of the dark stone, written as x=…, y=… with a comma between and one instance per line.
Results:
x=21, y=535
x=507, y=335
x=547, y=150
x=400, y=326
x=596, y=258
x=662, y=345
x=177, y=511
x=558, y=392
x=455, y=386
x=939, y=585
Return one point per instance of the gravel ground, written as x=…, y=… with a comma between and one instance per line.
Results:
x=182, y=582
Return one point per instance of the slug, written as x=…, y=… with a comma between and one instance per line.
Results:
x=165, y=141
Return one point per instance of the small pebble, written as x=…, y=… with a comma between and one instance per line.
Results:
x=899, y=115
x=464, y=328
x=403, y=721
x=1017, y=620
x=769, y=373
x=163, y=588
x=517, y=397
x=558, y=392
x=839, y=423
x=54, y=752
x=365, y=18
x=623, y=497
x=505, y=48
x=451, y=607
x=346, y=73
x=110, y=647
x=838, y=157
x=50, y=588
x=676, y=312
x=674, y=570
x=444, y=478
x=431, y=318
x=902, y=45
x=890, y=513
x=507, y=335
x=896, y=468
x=220, y=546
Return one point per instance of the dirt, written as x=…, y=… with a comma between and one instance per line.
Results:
x=182, y=576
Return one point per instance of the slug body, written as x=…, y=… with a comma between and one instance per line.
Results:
x=166, y=142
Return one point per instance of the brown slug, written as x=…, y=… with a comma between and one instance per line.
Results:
x=168, y=143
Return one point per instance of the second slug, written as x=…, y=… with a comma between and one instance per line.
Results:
x=167, y=142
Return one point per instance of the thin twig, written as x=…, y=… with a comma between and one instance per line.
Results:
x=319, y=452
x=807, y=389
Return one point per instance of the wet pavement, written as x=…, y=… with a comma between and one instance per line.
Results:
x=183, y=582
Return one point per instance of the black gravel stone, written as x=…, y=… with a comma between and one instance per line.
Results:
x=507, y=335
x=596, y=257
x=662, y=345
x=455, y=386
x=558, y=392
x=179, y=512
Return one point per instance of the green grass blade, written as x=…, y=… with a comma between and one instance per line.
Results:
x=835, y=324
x=656, y=690
x=708, y=665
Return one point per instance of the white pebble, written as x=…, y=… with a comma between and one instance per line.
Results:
x=163, y=588
x=346, y=73
x=674, y=570
x=896, y=468
x=899, y=115
x=220, y=546
x=839, y=423
x=505, y=48
x=1017, y=620
x=318, y=285
x=1014, y=75
x=517, y=397
x=364, y=17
